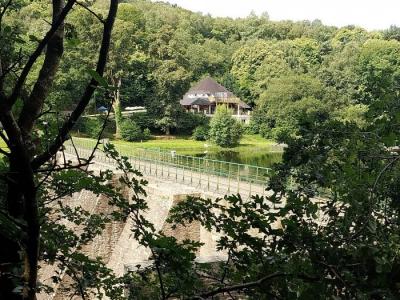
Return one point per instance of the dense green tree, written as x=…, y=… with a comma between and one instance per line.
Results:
x=246, y=61
x=225, y=131
x=392, y=33
x=378, y=69
x=131, y=132
x=337, y=234
x=339, y=71
x=286, y=101
x=201, y=133
x=350, y=34
x=171, y=82
x=329, y=227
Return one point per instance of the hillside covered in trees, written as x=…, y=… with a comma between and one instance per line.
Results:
x=280, y=68
x=328, y=226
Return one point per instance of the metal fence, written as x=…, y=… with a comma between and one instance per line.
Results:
x=217, y=176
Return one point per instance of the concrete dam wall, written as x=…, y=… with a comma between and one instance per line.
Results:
x=116, y=245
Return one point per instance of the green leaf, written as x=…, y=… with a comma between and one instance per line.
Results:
x=73, y=42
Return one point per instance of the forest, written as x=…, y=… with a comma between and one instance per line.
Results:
x=158, y=51
x=331, y=95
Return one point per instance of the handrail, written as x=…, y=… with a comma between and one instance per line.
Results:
x=218, y=175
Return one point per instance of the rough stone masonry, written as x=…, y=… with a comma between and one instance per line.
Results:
x=117, y=246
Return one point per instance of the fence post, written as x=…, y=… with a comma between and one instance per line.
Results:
x=168, y=164
x=238, y=179
x=257, y=174
x=199, y=172
x=229, y=178
x=139, y=158
x=183, y=171
x=162, y=164
x=250, y=181
x=176, y=168
x=150, y=161
x=191, y=170
x=208, y=177
x=219, y=174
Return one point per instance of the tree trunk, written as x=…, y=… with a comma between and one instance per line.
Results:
x=21, y=203
x=117, y=109
x=10, y=249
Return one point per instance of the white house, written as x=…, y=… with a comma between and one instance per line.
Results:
x=207, y=94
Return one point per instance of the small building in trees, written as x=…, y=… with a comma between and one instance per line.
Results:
x=207, y=94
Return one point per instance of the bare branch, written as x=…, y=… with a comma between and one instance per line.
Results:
x=98, y=17
x=81, y=162
x=243, y=286
x=226, y=267
x=65, y=167
x=4, y=72
x=76, y=150
x=32, y=59
x=75, y=276
x=32, y=107
x=90, y=88
x=103, y=128
x=389, y=165
x=47, y=175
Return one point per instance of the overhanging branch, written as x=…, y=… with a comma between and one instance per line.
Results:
x=32, y=59
x=97, y=16
x=32, y=107
x=90, y=88
x=243, y=286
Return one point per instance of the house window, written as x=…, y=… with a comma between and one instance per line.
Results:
x=221, y=95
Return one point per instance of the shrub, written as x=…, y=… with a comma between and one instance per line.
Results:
x=144, y=120
x=200, y=133
x=247, y=129
x=225, y=131
x=89, y=126
x=258, y=118
x=265, y=131
x=130, y=131
x=146, y=134
x=187, y=122
x=282, y=133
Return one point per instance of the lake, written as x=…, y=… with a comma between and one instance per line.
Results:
x=262, y=157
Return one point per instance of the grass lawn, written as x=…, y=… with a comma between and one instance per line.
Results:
x=253, y=149
x=185, y=145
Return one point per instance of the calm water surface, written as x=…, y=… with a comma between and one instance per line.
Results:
x=257, y=157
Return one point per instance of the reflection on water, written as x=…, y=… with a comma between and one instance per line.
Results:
x=257, y=158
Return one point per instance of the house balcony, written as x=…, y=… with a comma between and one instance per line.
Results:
x=243, y=117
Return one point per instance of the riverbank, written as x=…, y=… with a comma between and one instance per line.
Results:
x=253, y=149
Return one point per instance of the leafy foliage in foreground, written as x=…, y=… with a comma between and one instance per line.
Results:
x=330, y=227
